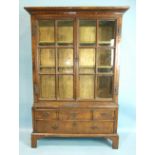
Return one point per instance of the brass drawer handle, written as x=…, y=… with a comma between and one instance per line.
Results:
x=55, y=127
x=94, y=127
x=73, y=115
x=104, y=114
x=45, y=114
x=74, y=124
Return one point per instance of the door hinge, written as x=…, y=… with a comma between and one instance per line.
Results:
x=119, y=31
x=34, y=30
x=116, y=90
x=36, y=89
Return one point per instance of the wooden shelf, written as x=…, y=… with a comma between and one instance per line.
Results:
x=86, y=66
x=47, y=66
x=79, y=67
x=65, y=66
x=46, y=42
x=105, y=67
x=64, y=42
x=102, y=74
x=87, y=43
x=104, y=42
x=54, y=66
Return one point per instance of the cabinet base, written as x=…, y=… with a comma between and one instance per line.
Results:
x=113, y=137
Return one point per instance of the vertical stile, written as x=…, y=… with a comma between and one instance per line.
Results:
x=36, y=66
x=96, y=49
x=116, y=67
x=56, y=62
x=77, y=59
x=38, y=58
x=74, y=59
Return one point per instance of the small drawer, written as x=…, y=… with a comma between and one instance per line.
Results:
x=75, y=114
x=103, y=114
x=46, y=114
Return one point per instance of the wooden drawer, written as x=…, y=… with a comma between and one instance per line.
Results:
x=46, y=114
x=75, y=127
x=92, y=127
x=53, y=126
x=103, y=114
x=81, y=114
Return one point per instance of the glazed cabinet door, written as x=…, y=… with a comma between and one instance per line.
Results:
x=56, y=59
x=75, y=59
x=96, y=53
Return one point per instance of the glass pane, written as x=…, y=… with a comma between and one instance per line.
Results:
x=47, y=58
x=46, y=32
x=47, y=61
x=87, y=32
x=87, y=60
x=104, y=87
x=65, y=32
x=65, y=86
x=65, y=59
x=106, y=32
x=105, y=60
x=47, y=70
x=47, y=86
x=86, y=87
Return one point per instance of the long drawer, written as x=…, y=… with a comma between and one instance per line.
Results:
x=87, y=127
x=74, y=114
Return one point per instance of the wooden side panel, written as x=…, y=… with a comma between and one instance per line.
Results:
x=34, y=57
x=116, y=63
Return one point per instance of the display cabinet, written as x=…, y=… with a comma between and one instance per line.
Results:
x=75, y=71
